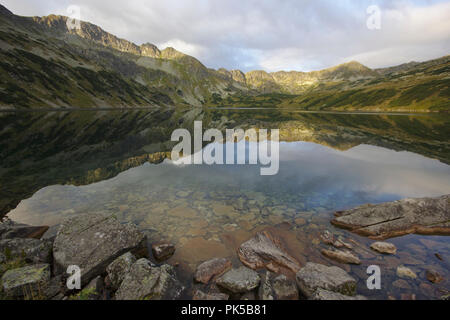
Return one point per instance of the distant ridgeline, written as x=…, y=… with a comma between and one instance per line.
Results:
x=43, y=64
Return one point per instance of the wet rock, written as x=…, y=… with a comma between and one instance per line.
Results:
x=321, y=294
x=327, y=237
x=341, y=256
x=437, y=255
x=200, y=295
x=275, y=287
x=148, y=282
x=118, y=269
x=401, y=284
x=32, y=250
x=26, y=282
x=300, y=221
x=163, y=251
x=211, y=268
x=317, y=276
x=405, y=272
x=384, y=247
x=433, y=276
x=239, y=280
x=93, y=241
x=10, y=230
x=264, y=249
x=386, y=220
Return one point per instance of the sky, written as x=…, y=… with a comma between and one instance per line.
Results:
x=271, y=35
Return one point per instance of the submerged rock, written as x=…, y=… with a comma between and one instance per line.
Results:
x=384, y=247
x=341, y=256
x=405, y=272
x=386, y=220
x=32, y=250
x=239, y=280
x=266, y=251
x=211, y=268
x=277, y=287
x=433, y=276
x=10, y=229
x=28, y=281
x=148, y=282
x=93, y=241
x=200, y=295
x=163, y=251
x=317, y=276
x=118, y=269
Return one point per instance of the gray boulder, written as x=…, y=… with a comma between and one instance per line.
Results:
x=29, y=281
x=317, y=276
x=93, y=241
x=32, y=250
x=277, y=287
x=148, y=282
x=239, y=280
x=119, y=268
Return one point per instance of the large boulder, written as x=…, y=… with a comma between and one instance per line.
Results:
x=29, y=281
x=10, y=229
x=93, y=241
x=315, y=276
x=239, y=280
x=119, y=268
x=265, y=250
x=32, y=250
x=149, y=282
x=392, y=219
x=277, y=287
x=211, y=268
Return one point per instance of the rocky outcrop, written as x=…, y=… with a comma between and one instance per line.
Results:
x=119, y=268
x=31, y=250
x=239, y=280
x=265, y=250
x=149, y=282
x=429, y=216
x=341, y=256
x=10, y=230
x=93, y=241
x=384, y=247
x=26, y=282
x=163, y=251
x=316, y=276
x=211, y=268
x=277, y=287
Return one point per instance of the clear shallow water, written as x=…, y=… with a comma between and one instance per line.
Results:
x=208, y=211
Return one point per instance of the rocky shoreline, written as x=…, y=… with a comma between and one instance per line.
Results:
x=114, y=260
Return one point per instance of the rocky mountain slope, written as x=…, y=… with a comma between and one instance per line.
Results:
x=44, y=64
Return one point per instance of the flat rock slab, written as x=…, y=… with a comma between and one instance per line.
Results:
x=28, y=281
x=277, y=287
x=93, y=241
x=239, y=280
x=317, y=276
x=32, y=250
x=341, y=256
x=149, y=282
x=265, y=250
x=429, y=216
x=384, y=247
x=10, y=230
x=211, y=268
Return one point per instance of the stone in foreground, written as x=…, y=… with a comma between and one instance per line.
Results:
x=322, y=294
x=163, y=251
x=384, y=247
x=430, y=216
x=10, y=230
x=119, y=268
x=200, y=295
x=266, y=251
x=239, y=280
x=277, y=287
x=29, y=281
x=148, y=282
x=341, y=256
x=405, y=272
x=211, y=268
x=317, y=276
x=93, y=241
x=32, y=250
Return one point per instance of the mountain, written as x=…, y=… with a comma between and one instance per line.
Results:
x=45, y=64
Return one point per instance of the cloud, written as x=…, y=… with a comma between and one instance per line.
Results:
x=271, y=35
